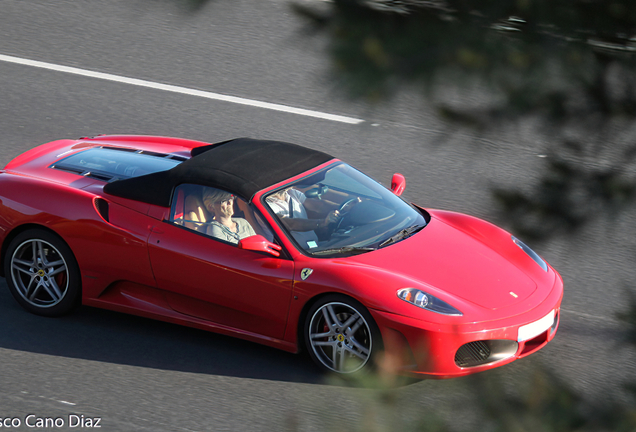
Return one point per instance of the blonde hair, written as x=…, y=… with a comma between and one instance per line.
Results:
x=211, y=196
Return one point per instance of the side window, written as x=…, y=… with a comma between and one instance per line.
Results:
x=216, y=213
x=188, y=209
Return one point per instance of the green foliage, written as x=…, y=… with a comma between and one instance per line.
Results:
x=568, y=195
x=568, y=65
x=629, y=318
x=544, y=402
x=533, y=51
x=528, y=400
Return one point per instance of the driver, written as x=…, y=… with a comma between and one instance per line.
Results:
x=288, y=204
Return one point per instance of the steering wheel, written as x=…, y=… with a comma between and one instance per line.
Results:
x=348, y=203
x=346, y=208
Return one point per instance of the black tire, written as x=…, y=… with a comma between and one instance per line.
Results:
x=42, y=273
x=341, y=336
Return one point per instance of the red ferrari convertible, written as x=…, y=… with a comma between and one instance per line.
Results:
x=274, y=243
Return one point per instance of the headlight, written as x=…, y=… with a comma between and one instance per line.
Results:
x=426, y=301
x=530, y=253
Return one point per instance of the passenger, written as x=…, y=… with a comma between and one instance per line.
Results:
x=288, y=204
x=224, y=226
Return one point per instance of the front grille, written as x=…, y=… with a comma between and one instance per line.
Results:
x=472, y=354
x=485, y=351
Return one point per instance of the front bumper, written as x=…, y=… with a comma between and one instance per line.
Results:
x=434, y=350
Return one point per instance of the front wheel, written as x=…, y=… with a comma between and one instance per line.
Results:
x=42, y=273
x=341, y=335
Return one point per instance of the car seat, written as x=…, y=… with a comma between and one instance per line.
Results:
x=195, y=213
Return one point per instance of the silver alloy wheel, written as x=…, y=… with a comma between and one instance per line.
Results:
x=340, y=337
x=39, y=273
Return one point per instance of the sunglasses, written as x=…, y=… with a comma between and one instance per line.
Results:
x=228, y=200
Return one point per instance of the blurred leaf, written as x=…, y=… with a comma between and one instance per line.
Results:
x=568, y=195
x=629, y=318
x=568, y=64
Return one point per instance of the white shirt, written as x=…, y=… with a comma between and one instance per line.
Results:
x=307, y=239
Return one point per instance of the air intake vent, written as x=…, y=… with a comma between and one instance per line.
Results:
x=101, y=205
x=472, y=354
x=485, y=351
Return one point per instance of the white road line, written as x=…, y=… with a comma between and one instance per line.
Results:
x=181, y=90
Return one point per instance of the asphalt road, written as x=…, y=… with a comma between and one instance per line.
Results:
x=137, y=374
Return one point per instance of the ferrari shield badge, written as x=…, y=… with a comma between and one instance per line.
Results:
x=305, y=273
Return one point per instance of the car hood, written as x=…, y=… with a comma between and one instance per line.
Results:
x=451, y=259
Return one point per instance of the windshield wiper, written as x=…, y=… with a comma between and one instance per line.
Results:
x=344, y=249
x=401, y=235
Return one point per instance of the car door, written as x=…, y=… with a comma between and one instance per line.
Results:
x=214, y=280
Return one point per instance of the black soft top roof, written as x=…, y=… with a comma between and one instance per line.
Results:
x=243, y=166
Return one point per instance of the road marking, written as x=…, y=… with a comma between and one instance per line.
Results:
x=53, y=399
x=181, y=90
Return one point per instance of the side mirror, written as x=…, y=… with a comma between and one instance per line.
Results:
x=259, y=243
x=398, y=184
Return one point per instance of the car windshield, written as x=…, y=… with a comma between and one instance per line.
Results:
x=341, y=211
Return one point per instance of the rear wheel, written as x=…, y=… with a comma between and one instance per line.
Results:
x=42, y=273
x=341, y=335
